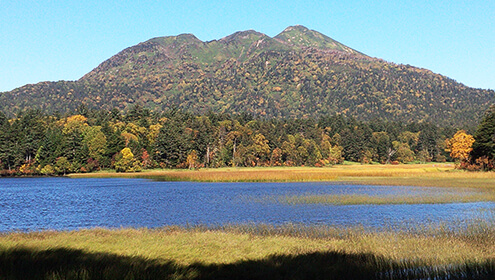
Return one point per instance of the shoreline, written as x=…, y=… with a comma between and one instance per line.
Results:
x=427, y=175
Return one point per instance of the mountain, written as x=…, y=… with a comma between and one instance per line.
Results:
x=298, y=73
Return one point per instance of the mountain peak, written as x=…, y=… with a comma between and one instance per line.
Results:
x=187, y=36
x=300, y=28
x=242, y=36
x=301, y=36
x=181, y=38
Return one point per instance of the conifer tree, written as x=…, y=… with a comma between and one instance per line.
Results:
x=484, y=145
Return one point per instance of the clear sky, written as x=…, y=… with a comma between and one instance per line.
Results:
x=51, y=40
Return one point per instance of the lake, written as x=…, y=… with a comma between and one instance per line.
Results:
x=64, y=204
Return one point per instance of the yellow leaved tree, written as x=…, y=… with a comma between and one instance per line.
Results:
x=125, y=161
x=460, y=145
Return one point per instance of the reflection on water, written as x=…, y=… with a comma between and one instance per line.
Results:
x=62, y=203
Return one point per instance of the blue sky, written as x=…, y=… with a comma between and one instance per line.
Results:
x=63, y=40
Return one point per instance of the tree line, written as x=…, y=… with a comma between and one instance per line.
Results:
x=35, y=143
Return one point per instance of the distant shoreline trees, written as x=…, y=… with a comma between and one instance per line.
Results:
x=34, y=143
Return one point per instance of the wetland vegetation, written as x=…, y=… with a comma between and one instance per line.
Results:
x=260, y=251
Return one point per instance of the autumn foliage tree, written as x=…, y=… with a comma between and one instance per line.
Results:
x=126, y=162
x=460, y=146
x=192, y=159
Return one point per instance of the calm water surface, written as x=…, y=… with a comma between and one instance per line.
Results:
x=63, y=203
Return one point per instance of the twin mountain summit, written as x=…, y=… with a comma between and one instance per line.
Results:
x=298, y=73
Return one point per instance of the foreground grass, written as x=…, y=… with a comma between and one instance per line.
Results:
x=250, y=252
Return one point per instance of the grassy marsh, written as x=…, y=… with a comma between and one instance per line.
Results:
x=410, y=174
x=428, y=195
x=268, y=252
x=248, y=252
x=469, y=186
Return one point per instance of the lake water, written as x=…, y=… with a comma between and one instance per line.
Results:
x=64, y=204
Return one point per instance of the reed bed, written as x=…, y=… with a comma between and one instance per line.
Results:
x=414, y=174
x=454, y=195
x=250, y=252
x=463, y=184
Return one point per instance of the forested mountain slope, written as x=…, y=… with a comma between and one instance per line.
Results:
x=298, y=73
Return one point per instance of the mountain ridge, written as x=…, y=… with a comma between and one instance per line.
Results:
x=297, y=73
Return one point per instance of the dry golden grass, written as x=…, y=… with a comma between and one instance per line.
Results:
x=356, y=199
x=440, y=175
x=422, y=175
